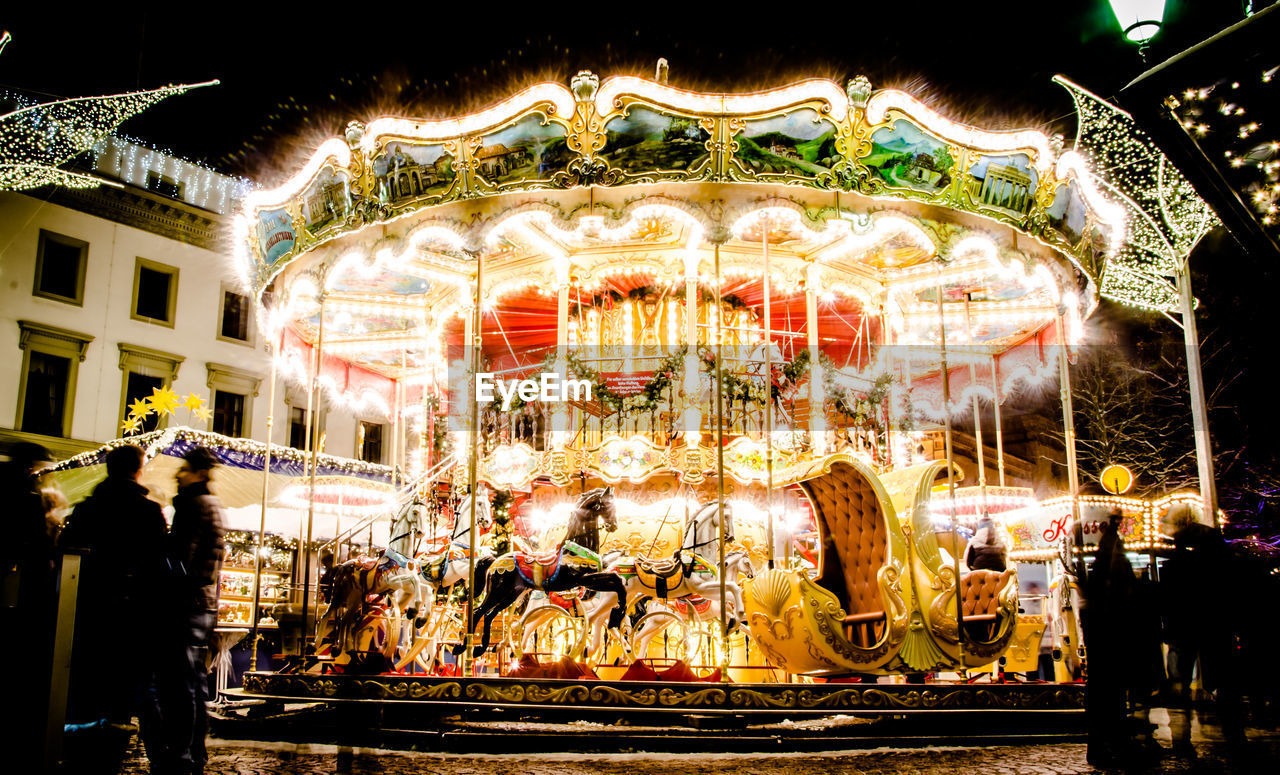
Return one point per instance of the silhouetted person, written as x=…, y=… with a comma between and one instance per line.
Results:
x=1199, y=593
x=195, y=550
x=28, y=603
x=986, y=551
x=122, y=532
x=1109, y=591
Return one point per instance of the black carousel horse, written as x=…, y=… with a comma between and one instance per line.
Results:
x=574, y=563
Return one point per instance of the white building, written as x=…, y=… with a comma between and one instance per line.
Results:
x=110, y=292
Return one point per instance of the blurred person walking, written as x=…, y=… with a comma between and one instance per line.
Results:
x=195, y=550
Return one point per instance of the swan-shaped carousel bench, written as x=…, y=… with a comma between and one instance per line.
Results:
x=883, y=601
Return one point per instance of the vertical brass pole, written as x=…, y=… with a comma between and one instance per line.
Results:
x=262, y=518
x=981, y=455
x=995, y=391
x=1069, y=437
x=311, y=497
x=768, y=395
x=724, y=624
x=473, y=465
x=951, y=477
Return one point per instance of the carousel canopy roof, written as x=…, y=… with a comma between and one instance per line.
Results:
x=630, y=188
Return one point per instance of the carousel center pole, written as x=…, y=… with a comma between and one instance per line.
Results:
x=768, y=394
x=262, y=518
x=951, y=476
x=724, y=623
x=473, y=468
x=311, y=497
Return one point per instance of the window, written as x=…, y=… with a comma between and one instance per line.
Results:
x=60, y=265
x=297, y=427
x=369, y=444
x=232, y=389
x=51, y=360
x=235, y=316
x=164, y=186
x=46, y=395
x=155, y=289
x=138, y=387
x=228, y=413
x=144, y=369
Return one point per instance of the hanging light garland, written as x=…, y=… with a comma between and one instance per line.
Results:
x=1220, y=119
x=37, y=139
x=1165, y=217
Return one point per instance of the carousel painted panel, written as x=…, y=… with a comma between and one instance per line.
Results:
x=903, y=156
x=326, y=202
x=525, y=155
x=408, y=175
x=796, y=147
x=1004, y=184
x=276, y=235
x=647, y=144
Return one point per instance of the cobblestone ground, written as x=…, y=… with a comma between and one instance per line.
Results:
x=1206, y=753
x=259, y=759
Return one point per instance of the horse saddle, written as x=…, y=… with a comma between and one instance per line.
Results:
x=661, y=575
x=537, y=569
x=697, y=603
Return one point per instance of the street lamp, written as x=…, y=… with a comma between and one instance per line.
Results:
x=1140, y=20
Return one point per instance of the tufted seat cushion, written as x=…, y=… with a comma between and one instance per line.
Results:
x=979, y=594
x=855, y=546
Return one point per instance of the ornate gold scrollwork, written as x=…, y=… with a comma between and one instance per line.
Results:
x=889, y=581
x=941, y=617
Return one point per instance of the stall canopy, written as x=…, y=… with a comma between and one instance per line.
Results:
x=238, y=482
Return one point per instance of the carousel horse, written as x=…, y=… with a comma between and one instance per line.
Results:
x=441, y=570
x=692, y=571
x=371, y=596
x=574, y=563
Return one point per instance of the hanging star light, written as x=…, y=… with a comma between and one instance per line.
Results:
x=194, y=402
x=36, y=140
x=164, y=400
x=1165, y=217
x=139, y=409
x=131, y=425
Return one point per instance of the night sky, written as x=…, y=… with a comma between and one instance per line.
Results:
x=294, y=75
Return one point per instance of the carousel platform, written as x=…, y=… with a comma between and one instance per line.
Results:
x=644, y=697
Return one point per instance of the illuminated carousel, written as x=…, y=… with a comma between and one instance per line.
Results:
x=682, y=348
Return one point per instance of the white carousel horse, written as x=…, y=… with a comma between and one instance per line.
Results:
x=372, y=596
x=693, y=570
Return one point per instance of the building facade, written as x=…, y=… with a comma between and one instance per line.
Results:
x=110, y=293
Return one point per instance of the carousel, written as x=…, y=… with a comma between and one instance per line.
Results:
x=657, y=366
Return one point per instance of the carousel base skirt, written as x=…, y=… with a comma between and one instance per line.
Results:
x=737, y=699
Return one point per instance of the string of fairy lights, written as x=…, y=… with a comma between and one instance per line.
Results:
x=1165, y=217
x=38, y=138
x=1225, y=119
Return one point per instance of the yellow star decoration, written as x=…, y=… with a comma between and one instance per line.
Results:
x=132, y=425
x=164, y=400
x=203, y=413
x=193, y=402
x=139, y=409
